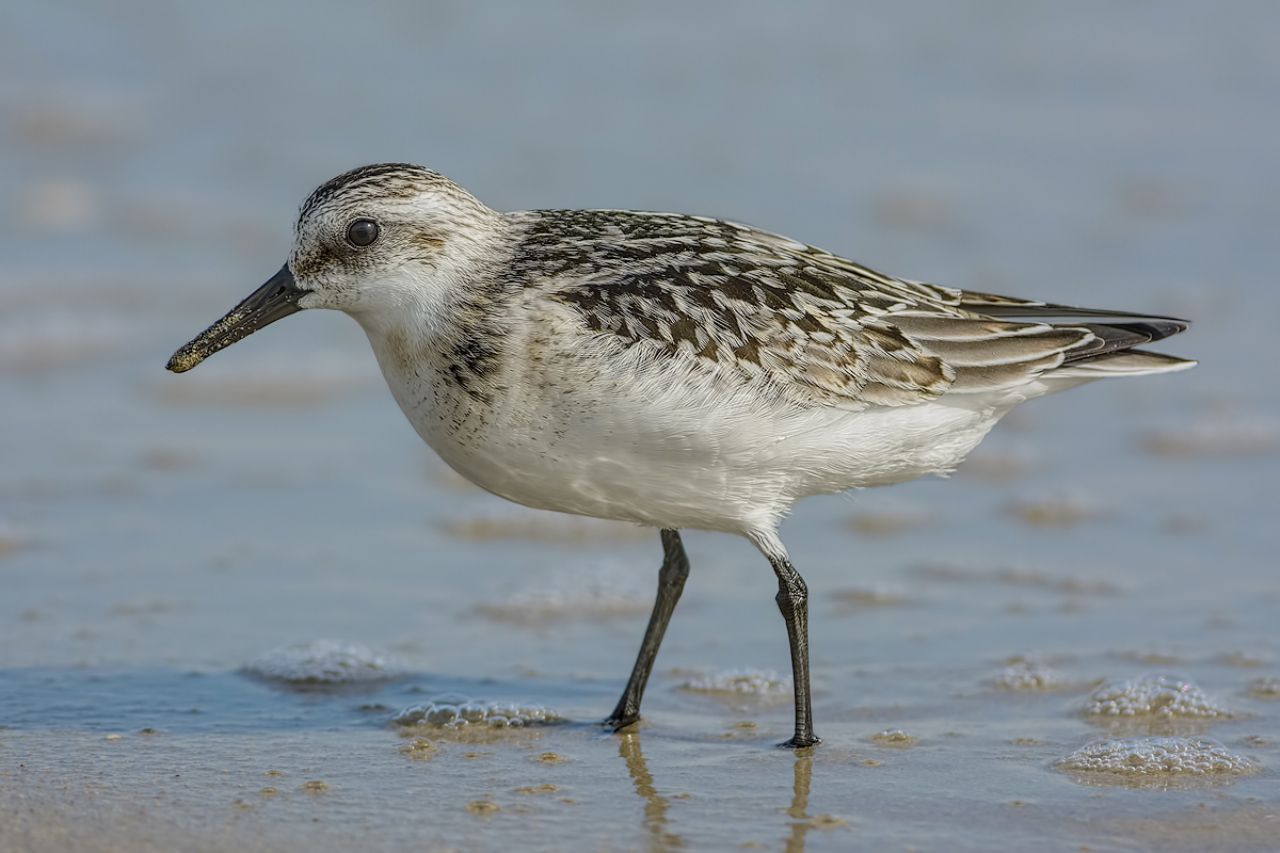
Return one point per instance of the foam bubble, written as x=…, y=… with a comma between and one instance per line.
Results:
x=896, y=738
x=1157, y=757
x=420, y=749
x=1027, y=673
x=458, y=712
x=323, y=663
x=739, y=682
x=1163, y=696
x=1265, y=688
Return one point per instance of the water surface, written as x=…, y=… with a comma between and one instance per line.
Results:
x=159, y=533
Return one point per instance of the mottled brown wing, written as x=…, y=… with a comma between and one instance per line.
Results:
x=797, y=329
x=991, y=342
x=818, y=328
x=987, y=343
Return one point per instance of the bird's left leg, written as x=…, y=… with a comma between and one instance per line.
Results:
x=671, y=578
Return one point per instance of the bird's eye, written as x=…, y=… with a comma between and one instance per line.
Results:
x=362, y=232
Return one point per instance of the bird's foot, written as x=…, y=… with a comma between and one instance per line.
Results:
x=626, y=713
x=617, y=722
x=801, y=742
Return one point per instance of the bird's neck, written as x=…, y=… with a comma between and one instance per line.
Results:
x=449, y=338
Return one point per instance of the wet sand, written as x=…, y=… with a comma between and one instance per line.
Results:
x=245, y=609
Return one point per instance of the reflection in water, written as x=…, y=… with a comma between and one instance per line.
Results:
x=655, y=806
x=799, y=811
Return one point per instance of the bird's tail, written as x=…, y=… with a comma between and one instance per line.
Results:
x=1134, y=362
x=1110, y=352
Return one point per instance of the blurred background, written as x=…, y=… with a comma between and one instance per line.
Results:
x=174, y=550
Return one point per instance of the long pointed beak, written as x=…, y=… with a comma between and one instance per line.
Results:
x=276, y=299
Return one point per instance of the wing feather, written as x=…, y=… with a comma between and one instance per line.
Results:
x=817, y=329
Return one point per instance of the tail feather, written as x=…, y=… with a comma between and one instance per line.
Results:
x=1009, y=307
x=1115, y=334
x=1119, y=337
x=1134, y=362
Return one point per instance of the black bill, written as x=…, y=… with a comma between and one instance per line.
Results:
x=276, y=299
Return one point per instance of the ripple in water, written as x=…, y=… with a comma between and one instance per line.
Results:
x=1014, y=576
x=323, y=663
x=516, y=523
x=871, y=596
x=32, y=343
x=602, y=593
x=1241, y=435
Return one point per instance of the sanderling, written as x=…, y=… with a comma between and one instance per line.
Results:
x=675, y=371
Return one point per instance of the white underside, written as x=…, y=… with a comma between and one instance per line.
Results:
x=610, y=435
x=717, y=473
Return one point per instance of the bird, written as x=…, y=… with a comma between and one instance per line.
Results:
x=679, y=372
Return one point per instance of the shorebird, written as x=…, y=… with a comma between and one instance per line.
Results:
x=674, y=371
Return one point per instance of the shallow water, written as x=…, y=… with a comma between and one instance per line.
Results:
x=160, y=536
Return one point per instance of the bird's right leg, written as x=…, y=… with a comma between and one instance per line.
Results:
x=793, y=601
x=671, y=578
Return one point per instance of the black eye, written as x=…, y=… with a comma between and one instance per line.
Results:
x=362, y=232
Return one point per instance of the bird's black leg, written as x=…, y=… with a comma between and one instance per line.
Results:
x=793, y=601
x=671, y=578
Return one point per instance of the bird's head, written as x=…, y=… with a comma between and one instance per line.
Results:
x=371, y=242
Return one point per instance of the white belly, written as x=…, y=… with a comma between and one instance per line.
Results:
x=671, y=453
